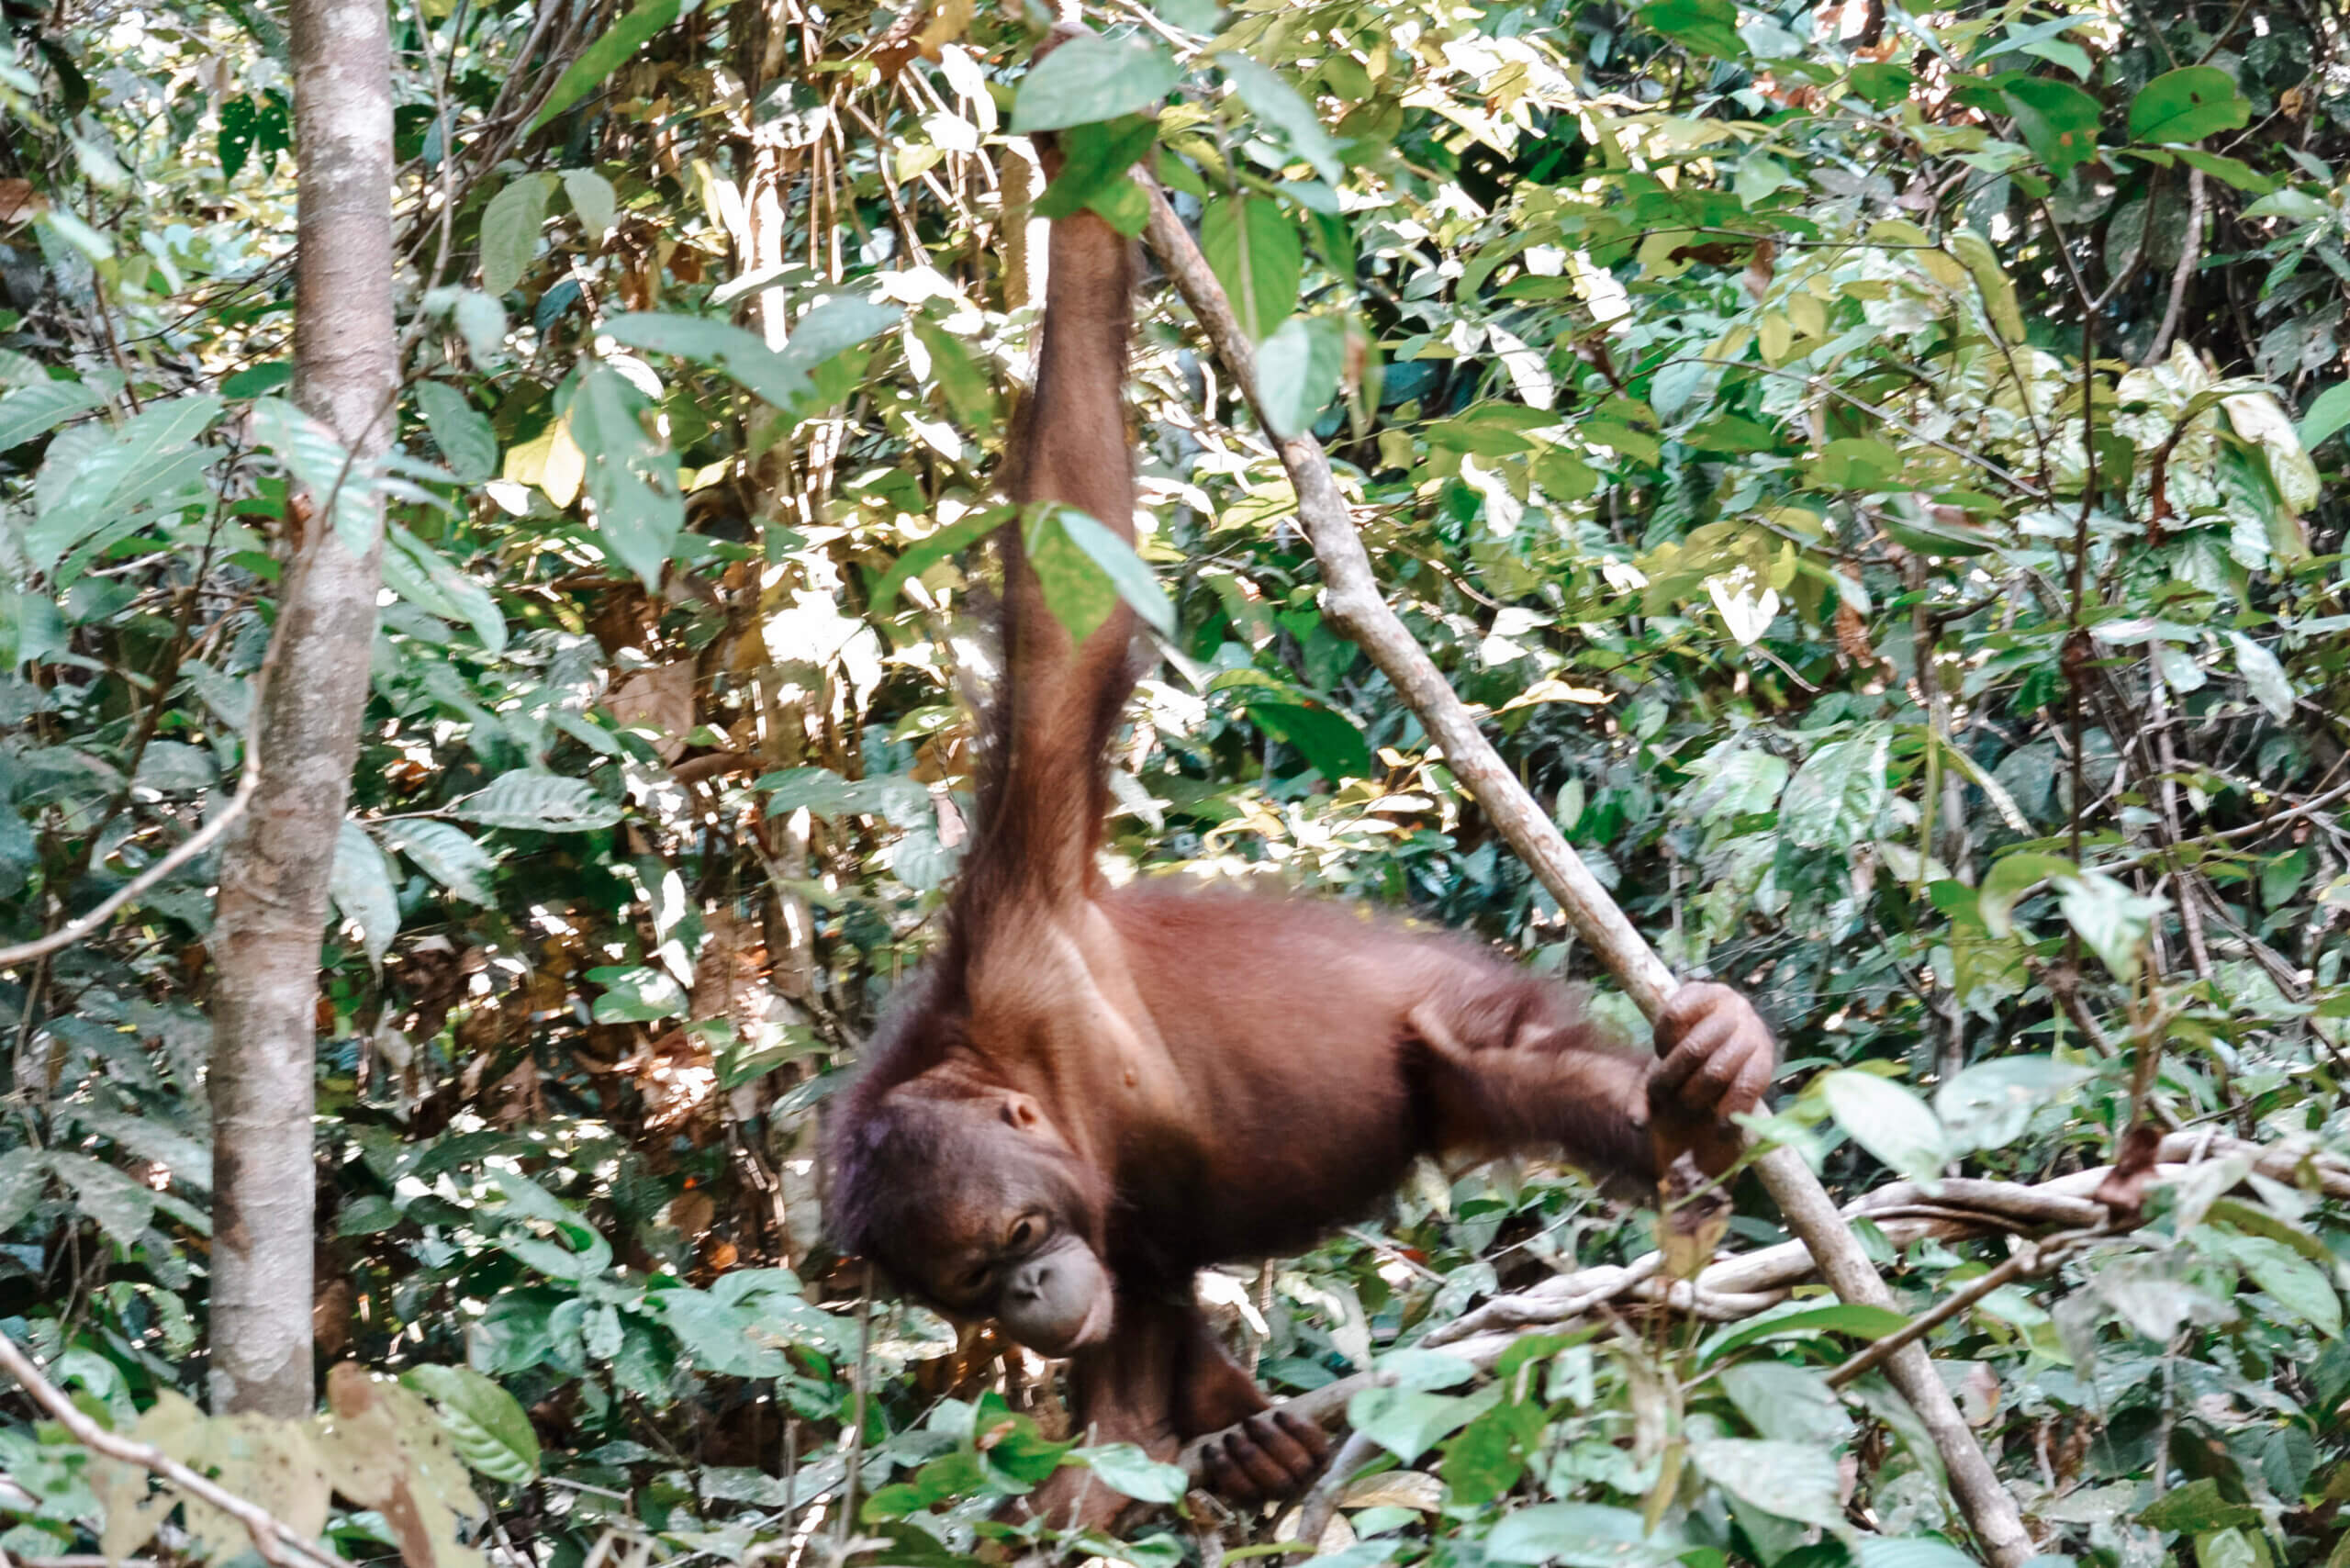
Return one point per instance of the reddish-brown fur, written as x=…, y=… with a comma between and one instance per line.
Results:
x=1093, y=1093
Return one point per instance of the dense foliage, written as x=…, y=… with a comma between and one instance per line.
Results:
x=1867, y=465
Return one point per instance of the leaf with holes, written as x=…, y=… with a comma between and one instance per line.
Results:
x=2188, y=105
x=2056, y=120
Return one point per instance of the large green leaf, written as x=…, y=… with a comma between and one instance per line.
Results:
x=461, y=430
x=542, y=803
x=1259, y=257
x=1085, y=569
x=361, y=883
x=1888, y=1121
x=2188, y=105
x=1094, y=78
x=1708, y=27
x=30, y=411
x=510, y=230
x=1277, y=104
x=2057, y=120
x=604, y=55
x=487, y=1425
x=1834, y=799
x=631, y=478
x=1580, y=1535
x=1794, y=1480
x=447, y=854
x=1297, y=372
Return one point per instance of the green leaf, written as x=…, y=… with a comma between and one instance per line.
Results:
x=542, y=802
x=1094, y=78
x=461, y=430
x=35, y=410
x=1798, y=1321
x=741, y=356
x=1835, y=798
x=421, y=575
x=1989, y=1104
x=1408, y=1424
x=635, y=994
x=2108, y=917
x=2297, y=1284
x=510, y=231
x=1297, y=372
x=447, y=854
x=23, y=1172
x=360, y=885
x=1127, y=1471
x=923, y=555
x=1910, y=1551
x=2195, y=1507
x=1095, y=159
x=1888, y=1121
x=631, y=478
x=2057, y=120
x=122, y=1206
x=152, y=461
x=1580, y=1535
x=2262, y=677
x=1789, y=1404
x=1257, y=254
x=1708, y=27
x=2329, y=411
x=1279, y=105
x=593, y=198
x=604, y=55
x=2010, y=877
x=486, y=1423
x=1327, y=740
x=1084, y=570
x=1999, y=290
x=2188, y=105
x=1793, y=1480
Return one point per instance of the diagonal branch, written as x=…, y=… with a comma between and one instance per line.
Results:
x=279, y=1544
x=1352, y=599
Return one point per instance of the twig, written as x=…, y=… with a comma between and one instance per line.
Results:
x=195, y=843
x=2029, y=1260
x=1352, y=599
x=278, y=1542
x=2190, y=253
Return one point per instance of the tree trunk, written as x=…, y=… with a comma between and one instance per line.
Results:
x=273, y=872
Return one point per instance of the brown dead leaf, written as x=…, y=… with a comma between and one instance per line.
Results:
x=661, y=700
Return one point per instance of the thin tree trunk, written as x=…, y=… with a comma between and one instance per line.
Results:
x=273, y=873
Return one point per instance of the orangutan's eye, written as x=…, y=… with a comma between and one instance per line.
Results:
x=974, y=1280
x=1024, y=1231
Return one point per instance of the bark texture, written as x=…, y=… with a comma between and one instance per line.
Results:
x=274, y=869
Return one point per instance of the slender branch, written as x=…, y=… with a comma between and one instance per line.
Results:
x=1352, y=599
x=2190, y=253
x=195, y=843
x=278, y=1542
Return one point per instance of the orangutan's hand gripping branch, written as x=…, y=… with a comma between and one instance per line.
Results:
x=1092, y=1094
